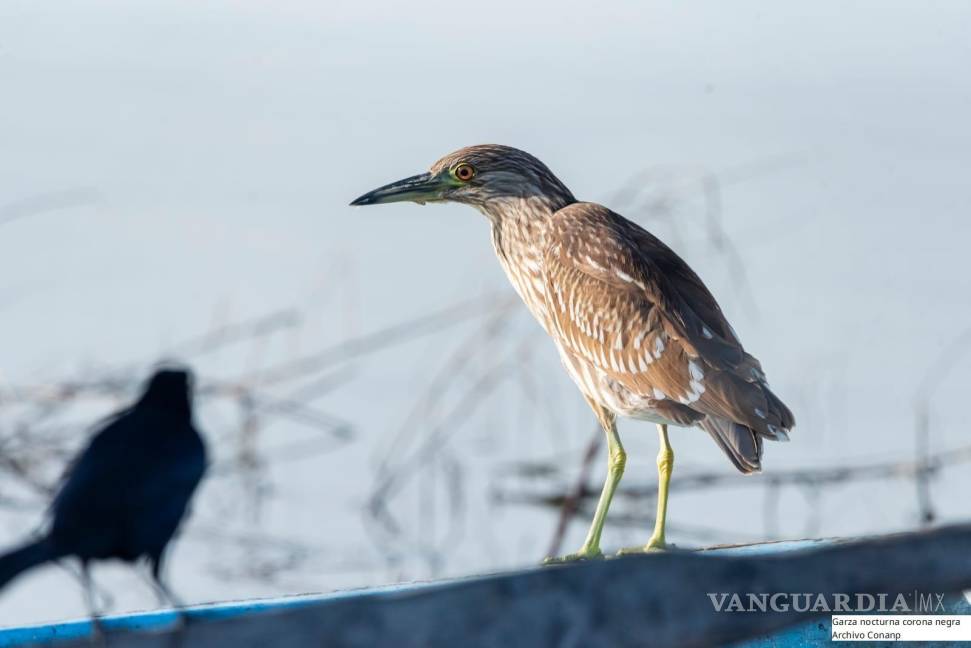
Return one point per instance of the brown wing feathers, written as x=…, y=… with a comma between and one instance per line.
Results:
x=626, y=303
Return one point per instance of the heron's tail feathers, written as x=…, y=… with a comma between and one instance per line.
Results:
x=779, y=409
x=25, y=557
x=742, y=445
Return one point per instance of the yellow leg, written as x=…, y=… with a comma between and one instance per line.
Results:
x=616, y=459
x=665, y=466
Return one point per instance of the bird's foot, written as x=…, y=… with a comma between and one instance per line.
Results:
x=182, y=620
x=98, y=637
x=179, y=632
x=585, y=553
x=653, y=545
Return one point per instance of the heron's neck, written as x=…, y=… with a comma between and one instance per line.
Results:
x=520, y=222
x=519, y=233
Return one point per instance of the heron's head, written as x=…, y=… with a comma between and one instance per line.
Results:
x=485, y=176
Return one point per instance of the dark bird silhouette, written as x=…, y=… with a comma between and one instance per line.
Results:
x=124, y=496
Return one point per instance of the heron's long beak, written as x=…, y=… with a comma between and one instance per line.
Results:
x=420, y=188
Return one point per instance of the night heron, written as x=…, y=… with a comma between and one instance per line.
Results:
x=635, y=327
x=125, y=495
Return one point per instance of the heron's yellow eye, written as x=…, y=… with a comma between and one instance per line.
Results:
x=464, y=172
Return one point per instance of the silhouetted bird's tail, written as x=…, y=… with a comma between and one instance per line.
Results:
x=22, y=559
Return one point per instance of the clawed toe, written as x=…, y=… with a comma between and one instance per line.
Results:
x=650, y=547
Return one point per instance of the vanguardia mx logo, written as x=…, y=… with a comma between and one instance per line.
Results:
x=916, y=601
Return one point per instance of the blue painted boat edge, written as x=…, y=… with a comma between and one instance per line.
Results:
x=162, y=619
x=156, y=620
x=808, y=633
